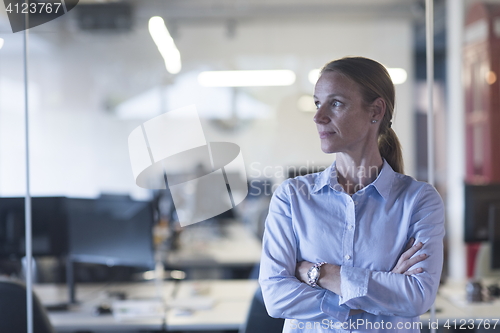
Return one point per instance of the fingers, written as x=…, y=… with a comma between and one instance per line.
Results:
x=412, y=261
x=408, y=259
x=414, y=271
x=410, y=252
x=409, y=244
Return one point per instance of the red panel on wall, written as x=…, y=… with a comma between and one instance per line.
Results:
x=482, y=93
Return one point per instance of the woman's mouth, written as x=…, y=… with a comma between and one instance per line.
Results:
x=325, y=134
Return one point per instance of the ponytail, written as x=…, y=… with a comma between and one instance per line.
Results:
x=390, y=149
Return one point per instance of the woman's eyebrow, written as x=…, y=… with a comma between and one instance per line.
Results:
x=332, y=95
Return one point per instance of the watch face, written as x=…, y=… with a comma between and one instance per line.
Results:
x=314, y=273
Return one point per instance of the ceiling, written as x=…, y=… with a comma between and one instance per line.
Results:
x=181, y=12
x=247, y=9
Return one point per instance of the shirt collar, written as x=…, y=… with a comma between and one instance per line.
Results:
x=382, y=183
x=326, y=177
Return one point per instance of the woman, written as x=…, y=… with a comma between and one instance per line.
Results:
x=357, y=247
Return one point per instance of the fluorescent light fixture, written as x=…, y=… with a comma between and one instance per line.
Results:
x=398, y=75
x=1, y=42
x=165, y=44
x=251, y=78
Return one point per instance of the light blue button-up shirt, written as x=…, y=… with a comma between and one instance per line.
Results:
x=312, y=218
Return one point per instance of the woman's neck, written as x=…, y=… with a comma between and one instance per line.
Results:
x=354, y=173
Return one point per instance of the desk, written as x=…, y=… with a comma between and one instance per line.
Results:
x=230, y=303
x=81, y=317
x=231, y=298
x=452, y=298
x=453, y=312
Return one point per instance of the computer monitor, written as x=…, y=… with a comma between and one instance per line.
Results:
x=477, y=201
x=111, y=231
x=49, y=231
x=494, y=235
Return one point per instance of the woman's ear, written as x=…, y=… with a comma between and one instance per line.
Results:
x=378, y=109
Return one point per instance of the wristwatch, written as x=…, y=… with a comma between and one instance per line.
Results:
x=313, y=274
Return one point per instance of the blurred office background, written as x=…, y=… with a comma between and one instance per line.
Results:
x=95, y=74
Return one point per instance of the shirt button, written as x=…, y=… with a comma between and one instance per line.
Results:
x=347, y=257
x=355, y=202
x=350, y=227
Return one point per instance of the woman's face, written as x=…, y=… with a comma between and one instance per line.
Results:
x=342, y=118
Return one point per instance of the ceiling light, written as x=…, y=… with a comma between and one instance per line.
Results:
x=251, y=78
x=165, y=43
x=398, y=75
x=1, y=42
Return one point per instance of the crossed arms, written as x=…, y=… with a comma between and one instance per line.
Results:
x=408, y=290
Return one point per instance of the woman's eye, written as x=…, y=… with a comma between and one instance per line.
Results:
x=336, y=103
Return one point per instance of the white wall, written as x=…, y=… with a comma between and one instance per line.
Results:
x=79, y=148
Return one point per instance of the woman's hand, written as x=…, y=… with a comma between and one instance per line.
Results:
x=407, y=260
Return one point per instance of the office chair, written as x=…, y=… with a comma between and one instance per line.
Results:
x=258, y=321
x=13, y=317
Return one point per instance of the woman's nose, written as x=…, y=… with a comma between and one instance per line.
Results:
x=320, y=116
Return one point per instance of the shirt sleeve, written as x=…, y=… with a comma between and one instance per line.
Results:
x=391, y=294
x=284, y=295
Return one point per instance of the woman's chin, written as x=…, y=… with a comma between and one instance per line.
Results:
x=328, y=150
